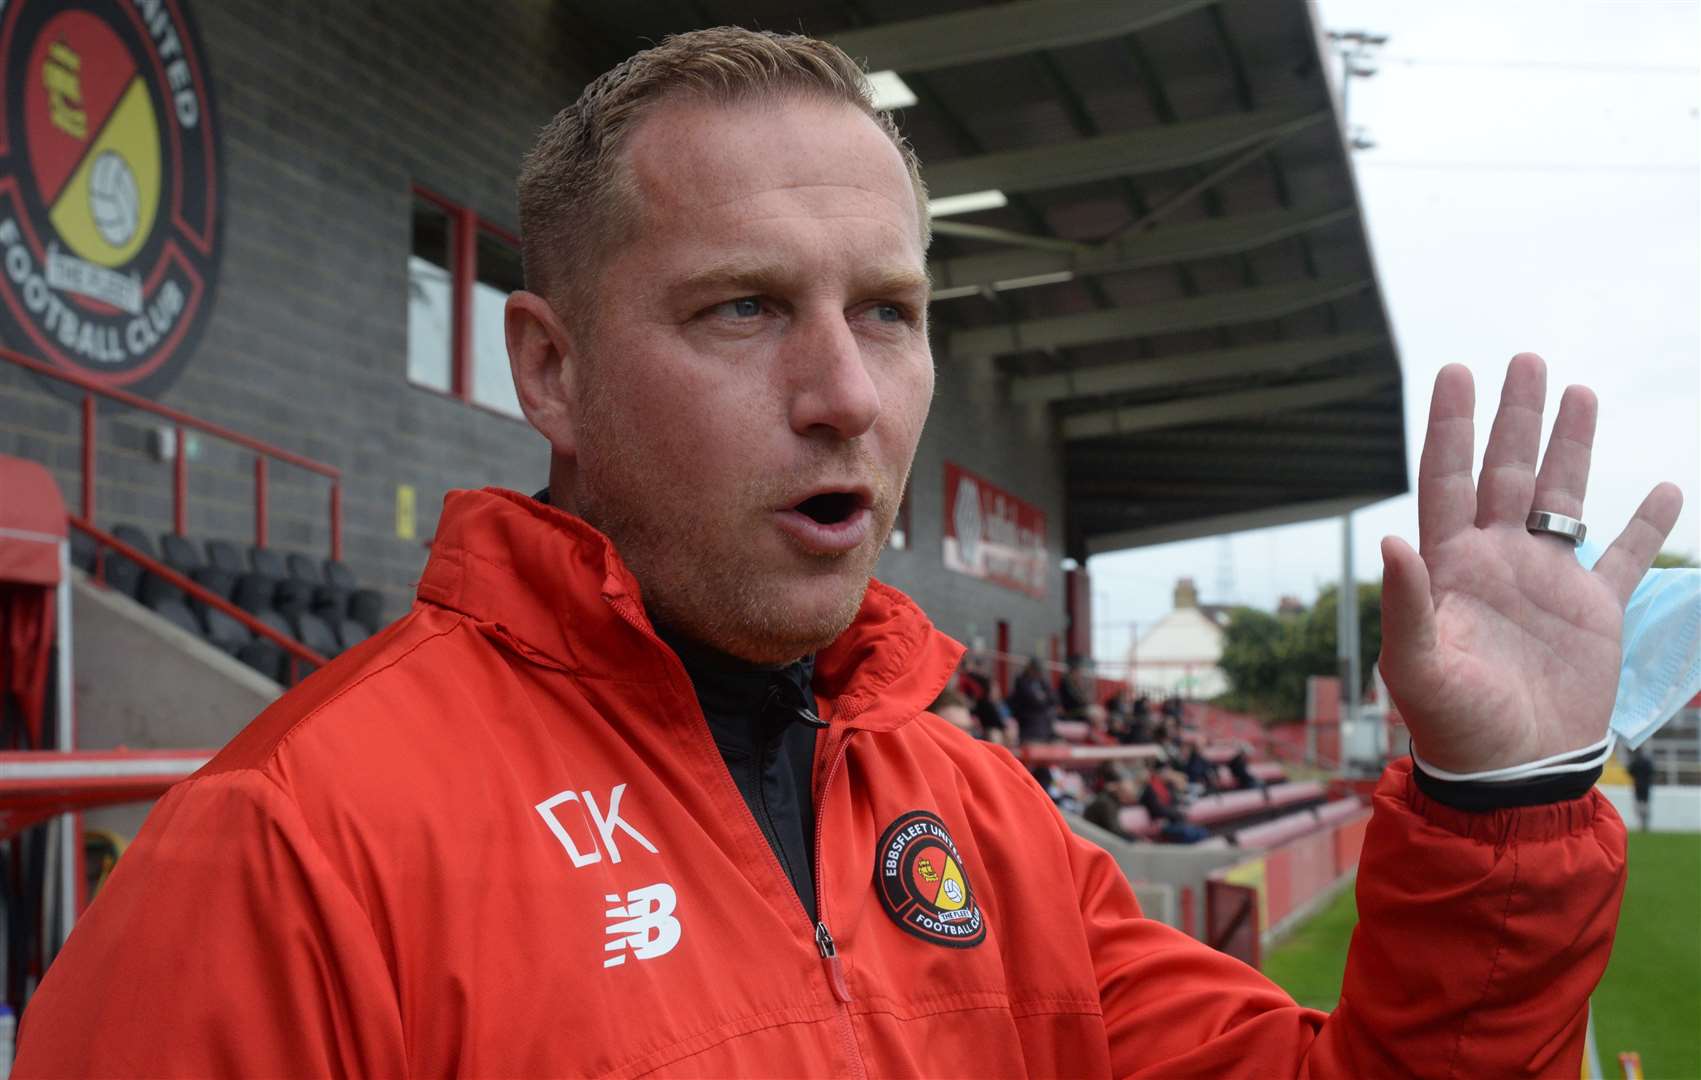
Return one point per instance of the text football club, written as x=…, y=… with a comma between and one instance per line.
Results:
x=110, y=187
x=923, y=885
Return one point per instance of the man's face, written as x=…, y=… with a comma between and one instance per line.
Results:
x=752, y=393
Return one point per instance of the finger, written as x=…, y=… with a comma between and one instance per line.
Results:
x=1408, y=615
x=1565, y=469
x=1509, y=461
x=1447, y=499
x=1633, y=552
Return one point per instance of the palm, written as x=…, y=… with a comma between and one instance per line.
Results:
x=1498, y=647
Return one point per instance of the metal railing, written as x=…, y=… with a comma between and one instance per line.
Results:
x=263, y=452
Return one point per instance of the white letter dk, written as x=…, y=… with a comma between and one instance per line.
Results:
x=605, y=825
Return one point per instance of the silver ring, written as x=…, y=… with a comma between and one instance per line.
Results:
x=1545, y=521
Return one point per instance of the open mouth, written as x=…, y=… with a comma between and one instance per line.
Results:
x=830, y=507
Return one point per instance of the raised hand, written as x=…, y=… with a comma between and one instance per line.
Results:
x=1498, y=648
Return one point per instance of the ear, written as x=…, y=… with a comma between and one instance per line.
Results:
x=542, y=359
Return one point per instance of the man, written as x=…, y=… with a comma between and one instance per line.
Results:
x=1075, y=689
x=643, y=783
x=1118, y=787
x=1642, y=780
x=1033, y=704
x=1160, y=792
x=953, y=708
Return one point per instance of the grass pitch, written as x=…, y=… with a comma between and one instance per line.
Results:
x=1650, y=998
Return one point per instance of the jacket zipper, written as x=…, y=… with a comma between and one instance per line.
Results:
x=823, y=937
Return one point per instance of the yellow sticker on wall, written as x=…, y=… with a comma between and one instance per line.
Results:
x=406, y=517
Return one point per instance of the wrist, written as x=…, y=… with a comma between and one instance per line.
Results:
x=1484, y=796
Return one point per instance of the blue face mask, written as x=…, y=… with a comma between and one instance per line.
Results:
x=1662, y=649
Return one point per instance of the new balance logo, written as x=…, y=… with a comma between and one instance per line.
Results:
x=603, y=824
x=645, y=927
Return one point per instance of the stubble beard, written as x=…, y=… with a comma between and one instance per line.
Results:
x=695, y=574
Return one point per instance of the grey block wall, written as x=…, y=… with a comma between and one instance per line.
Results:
x=329, y=113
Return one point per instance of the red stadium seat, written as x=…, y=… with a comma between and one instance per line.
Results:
x=1136, y=822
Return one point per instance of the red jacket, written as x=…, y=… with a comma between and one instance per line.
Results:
x=497, y=840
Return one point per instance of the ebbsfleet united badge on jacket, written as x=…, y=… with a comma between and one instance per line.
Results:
x=498, y=840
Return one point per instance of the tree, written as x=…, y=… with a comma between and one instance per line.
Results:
x=1268, y=658
x=1674, y=560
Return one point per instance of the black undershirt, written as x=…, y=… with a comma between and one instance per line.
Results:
x=764, y=724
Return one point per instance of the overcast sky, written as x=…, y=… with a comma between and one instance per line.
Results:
x=1535, y=186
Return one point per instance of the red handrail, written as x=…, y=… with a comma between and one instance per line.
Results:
x=296, y=651
x=180, y=478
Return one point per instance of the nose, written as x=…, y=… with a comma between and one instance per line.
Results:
x=832, y=391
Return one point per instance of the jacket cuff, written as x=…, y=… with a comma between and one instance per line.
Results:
x=1547, y=821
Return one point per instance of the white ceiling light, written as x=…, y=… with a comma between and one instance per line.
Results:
x=990, y=199
x=890, y=91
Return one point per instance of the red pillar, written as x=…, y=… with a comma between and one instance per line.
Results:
x=1001, y=664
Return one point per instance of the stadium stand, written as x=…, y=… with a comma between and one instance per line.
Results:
x=319, y=604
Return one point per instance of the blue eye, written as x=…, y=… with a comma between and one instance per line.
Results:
x=745, y=307
x=889, y=313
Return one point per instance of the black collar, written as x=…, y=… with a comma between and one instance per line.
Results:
x=748, y=706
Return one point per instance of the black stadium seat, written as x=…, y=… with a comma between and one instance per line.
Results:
x=224, y=632
x=330, y=603
x=268, y=562
x=122, y=573
x=255, y=593
x=292, y=597
x=266, y=658
x=302, y=568
x=214, y=580
x=154, y=591
x=136, y=538
x=350, y=633
x=180, y=553
x=82, y=550
x=338, y=575
x=366, y=607
x=178, y=614
x=225, y=556
x=312, y=632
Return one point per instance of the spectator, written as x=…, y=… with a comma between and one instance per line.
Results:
x=1168, y=738
x=1173, y=708
x=1120, y=710
x=1119, y=787
x=972, y=679
x=1047, y=779
x=993, y=716
x=1242, y=772
x=1075, y=689
x=1140, y=724
x=1164, y=806
x=1098, y=725
x=953, y=708
x=1199, y=770
x=1642, y=776
x=1033, y=704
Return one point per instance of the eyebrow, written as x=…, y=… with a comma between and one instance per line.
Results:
x=761, y=276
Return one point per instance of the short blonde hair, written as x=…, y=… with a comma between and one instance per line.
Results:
x=576, y=199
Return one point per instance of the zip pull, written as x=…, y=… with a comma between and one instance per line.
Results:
x=799, y=710
x=830, y=960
